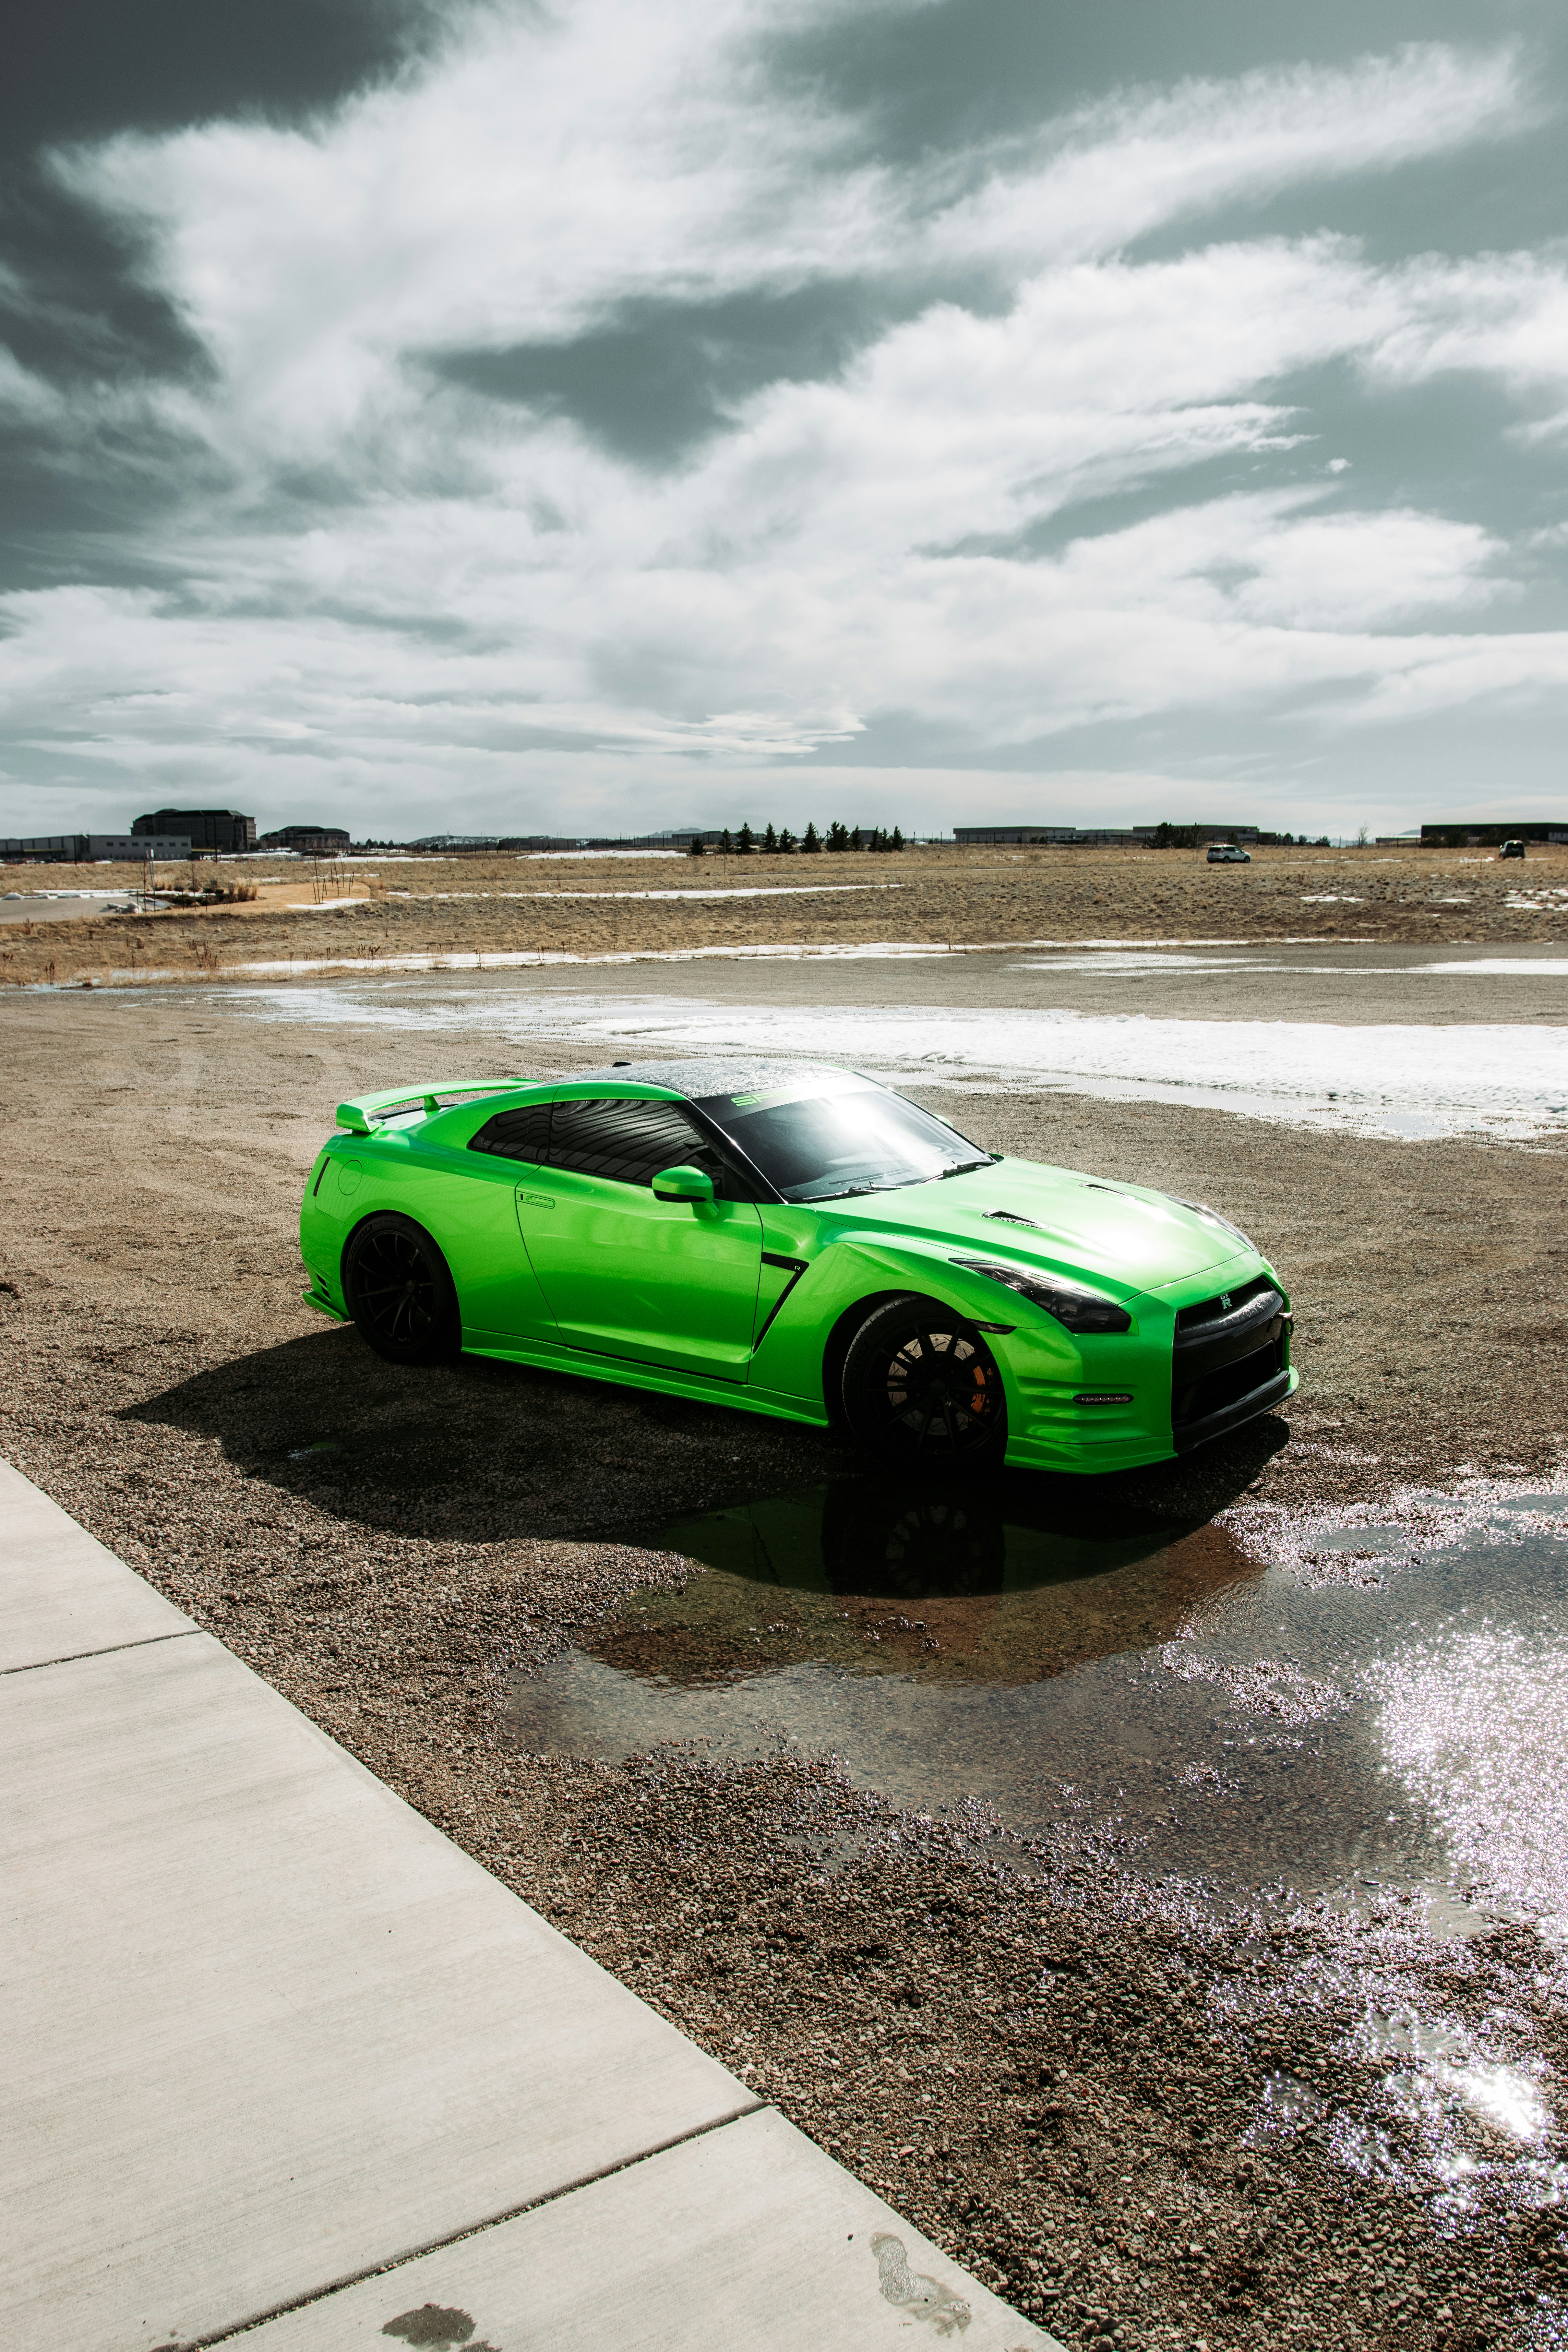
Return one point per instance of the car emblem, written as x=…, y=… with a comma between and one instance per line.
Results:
x=1224, y=1300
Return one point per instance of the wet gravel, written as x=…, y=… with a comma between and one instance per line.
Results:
x=1137, y=2119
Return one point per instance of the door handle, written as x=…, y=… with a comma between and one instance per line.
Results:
x=536, y=1199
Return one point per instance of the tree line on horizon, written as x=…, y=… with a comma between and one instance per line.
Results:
x=780, y=842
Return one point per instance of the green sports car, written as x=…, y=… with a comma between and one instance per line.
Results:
x=797, y=1241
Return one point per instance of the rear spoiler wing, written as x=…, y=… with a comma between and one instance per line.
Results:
x=371, y=1110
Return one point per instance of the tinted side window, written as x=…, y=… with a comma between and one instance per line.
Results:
x=522, y=1134
x=627, y=1141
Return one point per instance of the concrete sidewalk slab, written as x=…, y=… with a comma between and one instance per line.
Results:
x=275, y=2050
x=749, y=2240
x=61, y=1593
x=266, y=2028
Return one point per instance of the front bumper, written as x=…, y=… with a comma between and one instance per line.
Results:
x=1206, y=1368
x=1230, y=1361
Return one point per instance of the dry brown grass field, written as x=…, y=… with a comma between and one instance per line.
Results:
x=383, y=910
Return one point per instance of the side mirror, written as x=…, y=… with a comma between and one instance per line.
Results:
x=683, y=1184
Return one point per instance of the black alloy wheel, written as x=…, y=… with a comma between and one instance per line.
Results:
x=400, y=1293
x=923, y=1389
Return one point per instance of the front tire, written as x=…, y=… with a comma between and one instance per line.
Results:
x=923, y=1390
x=400, y=1293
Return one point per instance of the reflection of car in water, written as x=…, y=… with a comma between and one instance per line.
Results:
x=882, y=1535
x=1002, y=1580
x=802, y=1243
x=907, y=1544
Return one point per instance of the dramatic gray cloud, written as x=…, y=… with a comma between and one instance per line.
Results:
x=594, y=418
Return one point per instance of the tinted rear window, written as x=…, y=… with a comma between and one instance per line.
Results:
x=627, y=1141
x=522, y=1134
x=623, y=1142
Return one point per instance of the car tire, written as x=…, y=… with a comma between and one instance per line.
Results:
x=922, y=1389
x=400, y=1292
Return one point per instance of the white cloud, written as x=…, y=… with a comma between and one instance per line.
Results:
x=552, y=166
x=488, y=600
x=1134, y=162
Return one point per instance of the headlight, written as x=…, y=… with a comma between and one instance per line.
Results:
x=1078, y=1309
x=1213, y=1217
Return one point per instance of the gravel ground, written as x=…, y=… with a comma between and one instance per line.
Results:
x=1059, y=2079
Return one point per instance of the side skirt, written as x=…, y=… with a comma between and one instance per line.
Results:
x=770, y=1402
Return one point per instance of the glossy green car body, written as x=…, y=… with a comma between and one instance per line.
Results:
x=753, y=1302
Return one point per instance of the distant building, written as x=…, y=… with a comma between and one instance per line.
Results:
x=308, y=840
x=1095, y=836
x=1203, y=833
x=203, y=828
x=537, y=844
x=1014, y=835
x=1486, y=833
x=91, y=849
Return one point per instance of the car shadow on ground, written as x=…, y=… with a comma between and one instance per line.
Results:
x=484, y=1451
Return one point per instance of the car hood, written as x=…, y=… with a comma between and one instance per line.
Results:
x=1075, y=1223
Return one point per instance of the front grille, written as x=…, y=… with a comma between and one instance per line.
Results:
x=1211, y=1310
x=1229, y=1360
x=1228, y=1386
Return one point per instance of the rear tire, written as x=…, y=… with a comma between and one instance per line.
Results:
x=922, y=1389
x=400, y=1293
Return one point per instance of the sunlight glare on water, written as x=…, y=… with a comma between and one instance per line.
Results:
x=1474, y=1727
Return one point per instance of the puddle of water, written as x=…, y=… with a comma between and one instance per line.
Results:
x=1365, y=1540
x=944, y=1642
x=1138, y=1696
x=1386, y=1746
x=1407, y=1081
x=1444, y=2065
x=984, y=1584
x=1474, y=1724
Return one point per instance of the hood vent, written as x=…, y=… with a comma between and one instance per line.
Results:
x=1011, y=1217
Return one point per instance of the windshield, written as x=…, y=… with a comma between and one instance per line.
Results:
x=855, y=1139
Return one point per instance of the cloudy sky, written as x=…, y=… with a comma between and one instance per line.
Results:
x=590, y=416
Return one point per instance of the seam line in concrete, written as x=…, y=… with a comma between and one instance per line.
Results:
x=73, y=1657
x=468, y=2229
